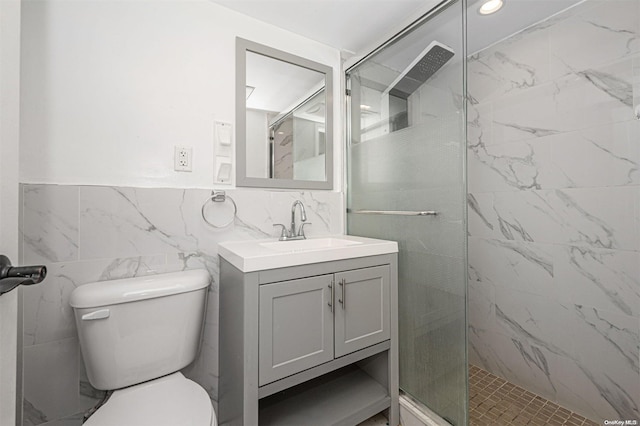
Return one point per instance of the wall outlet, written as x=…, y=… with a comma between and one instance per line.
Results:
x=182, y=159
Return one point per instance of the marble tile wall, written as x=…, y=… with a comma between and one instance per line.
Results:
x=554, y=202
x=90, y=233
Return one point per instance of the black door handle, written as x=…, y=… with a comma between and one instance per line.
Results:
x=13, y=276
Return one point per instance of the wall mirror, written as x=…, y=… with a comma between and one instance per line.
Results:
x=284, y=119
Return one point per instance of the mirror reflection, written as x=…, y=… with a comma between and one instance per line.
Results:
x=285, y=120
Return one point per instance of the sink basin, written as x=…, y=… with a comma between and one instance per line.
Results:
x=310, y=244
x=259, y=255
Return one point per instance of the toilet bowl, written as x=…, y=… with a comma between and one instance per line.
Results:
x=135, y=335
x=168, y=401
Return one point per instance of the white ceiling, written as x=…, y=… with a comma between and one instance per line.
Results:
x=352, y=25
x=279, y=85
x=344, y=24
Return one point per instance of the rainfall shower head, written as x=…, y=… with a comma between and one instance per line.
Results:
x=423, y=67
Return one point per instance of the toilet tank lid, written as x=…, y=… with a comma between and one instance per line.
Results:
x=139, y=288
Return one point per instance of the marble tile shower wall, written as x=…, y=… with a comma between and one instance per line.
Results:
x=89, y=233
x=554, y=209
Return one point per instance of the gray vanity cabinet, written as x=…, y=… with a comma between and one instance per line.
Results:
x=296, y=327
x=297, y=322
x=309, y=344
x=362, y=309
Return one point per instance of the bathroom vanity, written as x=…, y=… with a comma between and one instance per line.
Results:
x=308, y=331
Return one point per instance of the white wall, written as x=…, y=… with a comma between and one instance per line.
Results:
x=109, y=87
x=9, y=101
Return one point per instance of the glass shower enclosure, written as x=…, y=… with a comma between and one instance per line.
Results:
x=406, y=182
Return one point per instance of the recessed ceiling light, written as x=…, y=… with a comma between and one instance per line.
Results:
x=490, y=6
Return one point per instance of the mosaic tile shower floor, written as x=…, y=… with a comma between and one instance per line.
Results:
x=496, y=402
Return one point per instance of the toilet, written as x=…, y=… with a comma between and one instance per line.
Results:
x=135, y=335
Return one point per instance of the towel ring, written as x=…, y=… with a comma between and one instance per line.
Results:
x=219, y=197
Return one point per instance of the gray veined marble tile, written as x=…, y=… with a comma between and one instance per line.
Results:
x=521, y=266
x=259, y=210
x=74, y=420
x=194, y=260
x=580, y=100
x=479, y=119
x=599, y=217
x=31, y=416
x=601, y=347
x=605, y=279
x=323, y=209
x=535, y=319
x=506, y=215
x=572, y=216
x=127, y=222
x=617, y=336
x=594, y=157
x=205, y=369
x=88, y=395
x=50, y=223
x=617, y=339
x=596, y=392
x=57, y=396
x=478, y=222
x=519, y=360
x=114, y=269
x=599, y=35
x=636, y=87
x=507, y=167
x=511, y=66
x=554, y=168
x=481, y=302
x=47, y=314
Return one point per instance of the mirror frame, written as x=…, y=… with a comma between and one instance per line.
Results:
x=242, y=47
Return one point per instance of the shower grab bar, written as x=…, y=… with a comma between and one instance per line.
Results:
x=395, y=212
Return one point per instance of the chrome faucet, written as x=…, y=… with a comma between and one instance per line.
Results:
x=293, y=234
x=303, y=217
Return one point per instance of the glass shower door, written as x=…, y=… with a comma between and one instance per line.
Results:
x=406, y=182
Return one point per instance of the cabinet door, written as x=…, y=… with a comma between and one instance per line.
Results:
x=362, y=309
x=296, y=327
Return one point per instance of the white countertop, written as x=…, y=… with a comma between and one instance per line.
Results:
x=258, y=255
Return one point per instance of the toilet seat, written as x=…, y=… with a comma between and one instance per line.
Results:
x=168, y=401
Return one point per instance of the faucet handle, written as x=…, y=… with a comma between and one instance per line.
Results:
x=301, y=231
x=283, y=233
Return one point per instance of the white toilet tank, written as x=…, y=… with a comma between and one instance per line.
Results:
x=138, y=329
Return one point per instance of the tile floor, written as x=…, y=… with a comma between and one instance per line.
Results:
x=377, y=420
x=494, y=401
